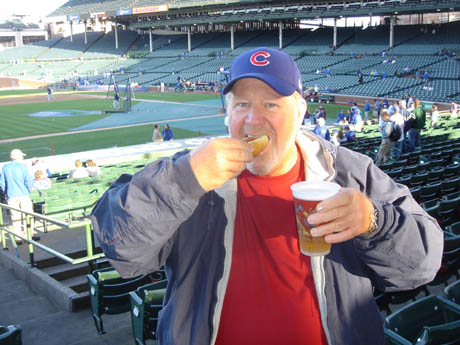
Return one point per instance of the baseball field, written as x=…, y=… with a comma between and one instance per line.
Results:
x=78, y=121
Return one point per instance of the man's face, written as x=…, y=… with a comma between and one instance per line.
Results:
x=255, y=109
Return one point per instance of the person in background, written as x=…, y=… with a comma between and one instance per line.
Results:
x=335, y=137
x=434, y=115
x=39, y=164
x=92, y=168
x=167, y=133
x=357, y=120
x=50, y=94
x=385, y=146
x=41, y=181
x=307, y=118
x=116, y=101
x=367, y=110
x=156, y=136
x=79, y=171
x=321, y=129
x=377, y=107
x=341, y=117
x=223, y=224
x=417, y=125
x=397, y=147
x=453, y=109
x=349, y=134
x=16, y=183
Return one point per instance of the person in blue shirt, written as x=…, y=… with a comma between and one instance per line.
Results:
x=385, y=103
x=349, y=134
x=341, y=117
x=321, y=129
x=16, y=184
x=167, y=133
x=367, y=109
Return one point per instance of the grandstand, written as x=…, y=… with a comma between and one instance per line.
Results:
x=182, y=44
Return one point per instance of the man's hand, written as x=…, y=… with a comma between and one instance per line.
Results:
x=343, y=216
x=218, y=160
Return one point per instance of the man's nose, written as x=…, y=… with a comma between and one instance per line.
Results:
x=255, y=115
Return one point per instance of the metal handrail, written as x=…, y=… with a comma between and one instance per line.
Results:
x=30, y=220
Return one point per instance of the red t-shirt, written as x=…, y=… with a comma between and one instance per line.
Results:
x=271, y=297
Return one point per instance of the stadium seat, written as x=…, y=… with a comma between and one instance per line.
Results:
x=407, y=325
x=453, y=228
x=430, y=191
x=451, y=170
x=418, y=179
x=431, y=206
x=448, y=211
x=109, y=293
x=11, y=335
x=450, y=185
x=452, y=291
x=146, y=303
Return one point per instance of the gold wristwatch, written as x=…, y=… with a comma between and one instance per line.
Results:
x=374, y=222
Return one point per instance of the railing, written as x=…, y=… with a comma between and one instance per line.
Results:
x=30, y=218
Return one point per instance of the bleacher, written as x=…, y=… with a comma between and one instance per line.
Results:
x=366, y=50
x=105, y=46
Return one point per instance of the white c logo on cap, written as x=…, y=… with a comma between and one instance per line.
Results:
x=260, y=58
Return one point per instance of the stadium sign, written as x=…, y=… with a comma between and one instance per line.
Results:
x=125, y=12
x=73, y=17
x=150, y=9
x=98, y=15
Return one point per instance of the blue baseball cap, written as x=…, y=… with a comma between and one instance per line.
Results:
x=272, y=66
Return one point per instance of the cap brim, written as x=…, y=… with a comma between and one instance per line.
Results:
x=280, y=86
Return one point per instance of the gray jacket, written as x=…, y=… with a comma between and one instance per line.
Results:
x=161, y=215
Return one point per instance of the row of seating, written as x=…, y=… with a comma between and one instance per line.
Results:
x=435, y=318
x=142, y=296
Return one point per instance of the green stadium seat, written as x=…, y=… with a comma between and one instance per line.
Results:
x=430, y=191
x=109, y=293
x=11, y=335
x=452, y=292
x=451, y=185
x=453, y=228
x=146, y=303
x=407, y=325
x=430, y=206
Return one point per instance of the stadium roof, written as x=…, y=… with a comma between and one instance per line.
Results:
x=154, y=13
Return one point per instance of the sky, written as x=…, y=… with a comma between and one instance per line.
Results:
x=29, y=7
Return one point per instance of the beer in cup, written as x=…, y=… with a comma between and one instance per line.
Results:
x=306, y=196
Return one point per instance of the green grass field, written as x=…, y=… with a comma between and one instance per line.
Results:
x=17, y=124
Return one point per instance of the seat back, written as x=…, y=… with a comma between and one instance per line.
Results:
x=11, y=335
x=408, y=322
x=146, y=303
x=452, y=292
x=448, y=334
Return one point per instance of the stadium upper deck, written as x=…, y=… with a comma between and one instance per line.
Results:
x=145, y=14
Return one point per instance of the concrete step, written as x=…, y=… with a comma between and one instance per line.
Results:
x=66, y=271
x=77, y=283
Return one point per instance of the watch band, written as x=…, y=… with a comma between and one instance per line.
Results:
x=374, y=225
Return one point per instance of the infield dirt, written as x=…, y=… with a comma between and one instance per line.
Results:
x=21, y=99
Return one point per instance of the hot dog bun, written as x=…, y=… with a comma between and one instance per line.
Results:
x=258, y=144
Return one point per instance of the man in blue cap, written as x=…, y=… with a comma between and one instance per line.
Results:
x=223, y=224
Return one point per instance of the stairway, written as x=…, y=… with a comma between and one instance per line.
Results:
x=44, y=324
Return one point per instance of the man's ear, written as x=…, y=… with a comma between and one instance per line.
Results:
x=302, y=108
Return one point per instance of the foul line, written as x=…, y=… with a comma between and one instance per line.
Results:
x=12, y=140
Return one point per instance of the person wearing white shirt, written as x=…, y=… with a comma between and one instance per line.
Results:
x=79, y=170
